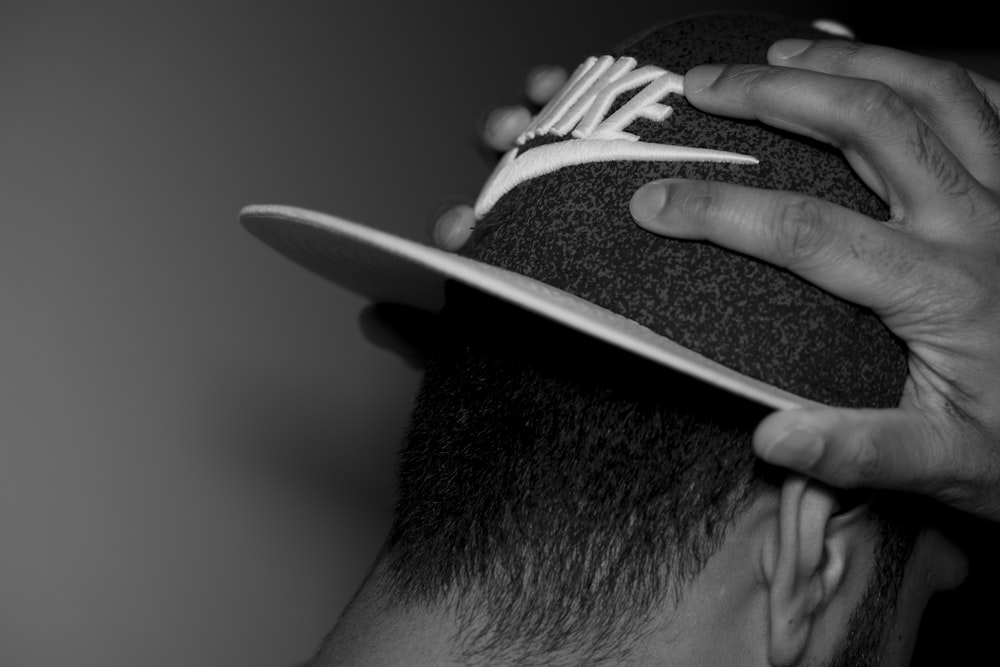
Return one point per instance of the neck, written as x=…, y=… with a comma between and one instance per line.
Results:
x=718, y=621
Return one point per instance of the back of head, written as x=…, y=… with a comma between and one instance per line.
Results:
x=555, y=492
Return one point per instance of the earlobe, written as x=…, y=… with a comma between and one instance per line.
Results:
x=805, y=561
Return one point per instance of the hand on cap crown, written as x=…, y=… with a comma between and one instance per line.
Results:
x=925, y=135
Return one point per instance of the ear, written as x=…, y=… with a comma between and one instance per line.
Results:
x=804, y=563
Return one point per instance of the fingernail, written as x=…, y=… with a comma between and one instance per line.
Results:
x=451, y=229
x=648, y=201
x=789, y=48
x=496, y=118
x=502, y=125
x=797, y=449
x=544, y=82
x=701, y=77
x=835, y=28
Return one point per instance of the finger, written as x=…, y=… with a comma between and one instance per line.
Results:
x=894, y=449
x=833, y=247
x=503, y=125
x=990, y=88
x=944, y=94
x=451, y=226
x=892, y=149
x=543, y=82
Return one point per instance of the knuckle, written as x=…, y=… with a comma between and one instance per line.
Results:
x=696, y=200
x=948, y=79
x=758, y=82
x=800, y=228
x=969, y=288
x=988, y=116
x=987, y=481
x=976, y=288
x=874, y=106
x=842, y=56
x=969, y=476
x=864, y=465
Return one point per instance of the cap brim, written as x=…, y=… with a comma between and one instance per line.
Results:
x=390, y=269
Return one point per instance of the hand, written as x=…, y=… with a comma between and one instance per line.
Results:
x=925, y=135
x=451, y=226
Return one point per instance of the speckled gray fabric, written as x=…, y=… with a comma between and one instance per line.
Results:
x=572, y=229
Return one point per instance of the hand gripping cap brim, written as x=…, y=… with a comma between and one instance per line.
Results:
x=562, y=243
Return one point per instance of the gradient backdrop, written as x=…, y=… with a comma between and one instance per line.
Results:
x=196, y=440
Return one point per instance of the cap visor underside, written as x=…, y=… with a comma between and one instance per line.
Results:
x=390, y=269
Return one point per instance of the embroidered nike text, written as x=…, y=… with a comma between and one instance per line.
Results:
x=580, y=110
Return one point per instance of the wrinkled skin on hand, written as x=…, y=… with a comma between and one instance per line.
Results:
x=925, y=136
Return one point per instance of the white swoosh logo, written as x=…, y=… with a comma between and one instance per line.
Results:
x=515, y=169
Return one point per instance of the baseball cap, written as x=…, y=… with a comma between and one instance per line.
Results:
x=554, y=234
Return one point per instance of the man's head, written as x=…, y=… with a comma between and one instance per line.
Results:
x=564, y=502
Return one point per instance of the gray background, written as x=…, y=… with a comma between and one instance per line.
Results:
x=196, y=440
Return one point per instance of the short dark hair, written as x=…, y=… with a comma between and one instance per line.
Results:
x=556, y=489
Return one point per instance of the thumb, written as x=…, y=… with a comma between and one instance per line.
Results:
x=847, y=448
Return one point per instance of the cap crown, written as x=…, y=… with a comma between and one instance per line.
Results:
x=561, y=216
